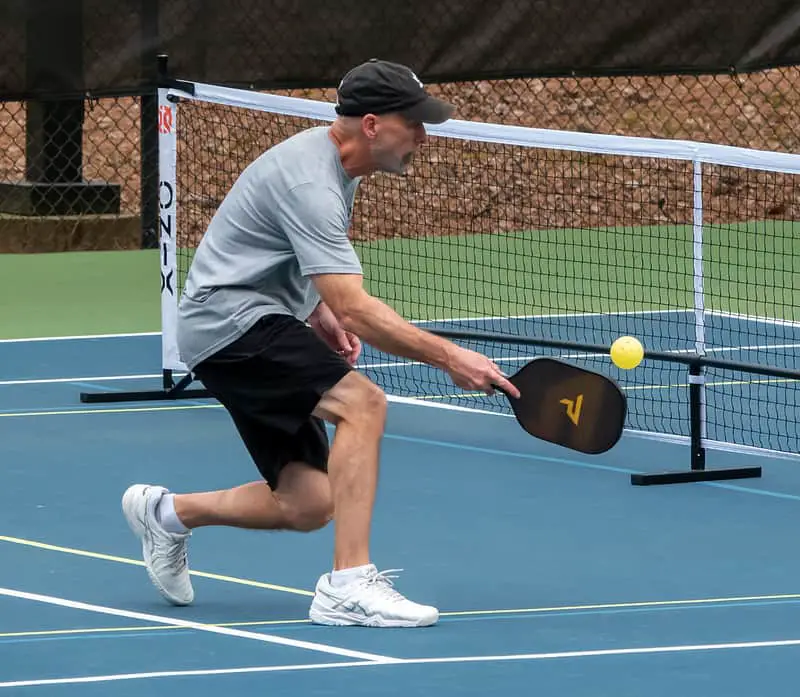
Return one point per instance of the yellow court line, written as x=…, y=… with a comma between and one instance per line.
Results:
x=120, y=410
x=136, y=562
x=629, y=388
x=617, y=606
x=463, y=613
x=146, y=628
x=422, y=398
x=713, y=383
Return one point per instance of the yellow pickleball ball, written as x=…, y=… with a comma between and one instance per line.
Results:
x=627, y=352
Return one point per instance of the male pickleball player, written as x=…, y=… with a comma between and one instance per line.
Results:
x=271, y=321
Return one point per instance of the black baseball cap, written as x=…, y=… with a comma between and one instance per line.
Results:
x=381, y=87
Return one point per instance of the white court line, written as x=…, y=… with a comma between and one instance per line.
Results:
x=757, y=347
x=215, y=405
x=555, y=315
x=77, y=337
x=174, y=622
x=388, y=364
x=632, y=313
x=415, y=321
x=754, y=318
x=669, y=438
x=639, y=651
x=95, y=378
x=517, y=359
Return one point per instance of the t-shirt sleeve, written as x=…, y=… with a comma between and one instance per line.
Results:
x=316, y=221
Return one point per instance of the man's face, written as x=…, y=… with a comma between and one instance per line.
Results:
x=394, y=141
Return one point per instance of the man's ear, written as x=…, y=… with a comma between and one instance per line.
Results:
x=369, y=125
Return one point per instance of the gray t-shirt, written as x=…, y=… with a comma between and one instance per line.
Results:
x=285, y=218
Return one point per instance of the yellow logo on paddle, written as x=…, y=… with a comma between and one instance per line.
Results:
x=573, y=408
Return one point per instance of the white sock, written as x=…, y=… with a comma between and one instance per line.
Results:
x=166, y=516
x=341, y=577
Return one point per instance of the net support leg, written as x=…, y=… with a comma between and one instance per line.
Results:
x=171, y=391
x=163, y=205
x=698, y=471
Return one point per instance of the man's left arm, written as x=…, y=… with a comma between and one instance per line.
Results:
x=316, y=221
x=324, y=323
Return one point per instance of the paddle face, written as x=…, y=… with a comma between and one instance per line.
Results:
x=570, y=406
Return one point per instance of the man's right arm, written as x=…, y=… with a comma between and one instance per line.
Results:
x=380, y=326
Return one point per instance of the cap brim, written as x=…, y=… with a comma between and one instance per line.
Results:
x=430, y=110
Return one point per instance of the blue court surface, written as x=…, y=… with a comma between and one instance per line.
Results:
x=554, y=575
x=741, y=408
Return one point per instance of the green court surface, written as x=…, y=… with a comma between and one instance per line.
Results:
x=79, y=293
x=748, y=270
x=588, y=270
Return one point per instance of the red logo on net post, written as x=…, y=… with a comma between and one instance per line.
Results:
x=164, y=119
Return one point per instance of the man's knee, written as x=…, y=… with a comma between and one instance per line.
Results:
x=372, y=400
x=354, y=398
x=311, y=517
x=304, y=496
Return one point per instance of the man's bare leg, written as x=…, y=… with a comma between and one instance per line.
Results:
x=163, y=520
x=305, y=497
x=301, y=502
x=355, y=593
x=358, y=408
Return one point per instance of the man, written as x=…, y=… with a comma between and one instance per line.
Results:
x=271, y=321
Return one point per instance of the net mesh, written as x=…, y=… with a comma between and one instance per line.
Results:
x=558, y=244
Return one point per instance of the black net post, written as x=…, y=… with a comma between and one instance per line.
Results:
x=696, y=381
x=697, y=471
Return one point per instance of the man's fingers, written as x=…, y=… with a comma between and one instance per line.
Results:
x=355, y=344
x=349, y=347
x=344, y=341
x=507, y=387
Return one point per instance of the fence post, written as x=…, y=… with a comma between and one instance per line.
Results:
x=54, y=183
x=148, y=117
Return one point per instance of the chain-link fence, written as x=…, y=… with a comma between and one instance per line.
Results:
x=63, y=188
x=760, y=110
x=80, y=173
x=70, y=163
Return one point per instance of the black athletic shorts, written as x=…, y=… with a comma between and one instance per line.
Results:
x=270, y=380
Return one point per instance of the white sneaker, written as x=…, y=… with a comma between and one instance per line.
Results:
x=371, y=601
x=165, y=553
